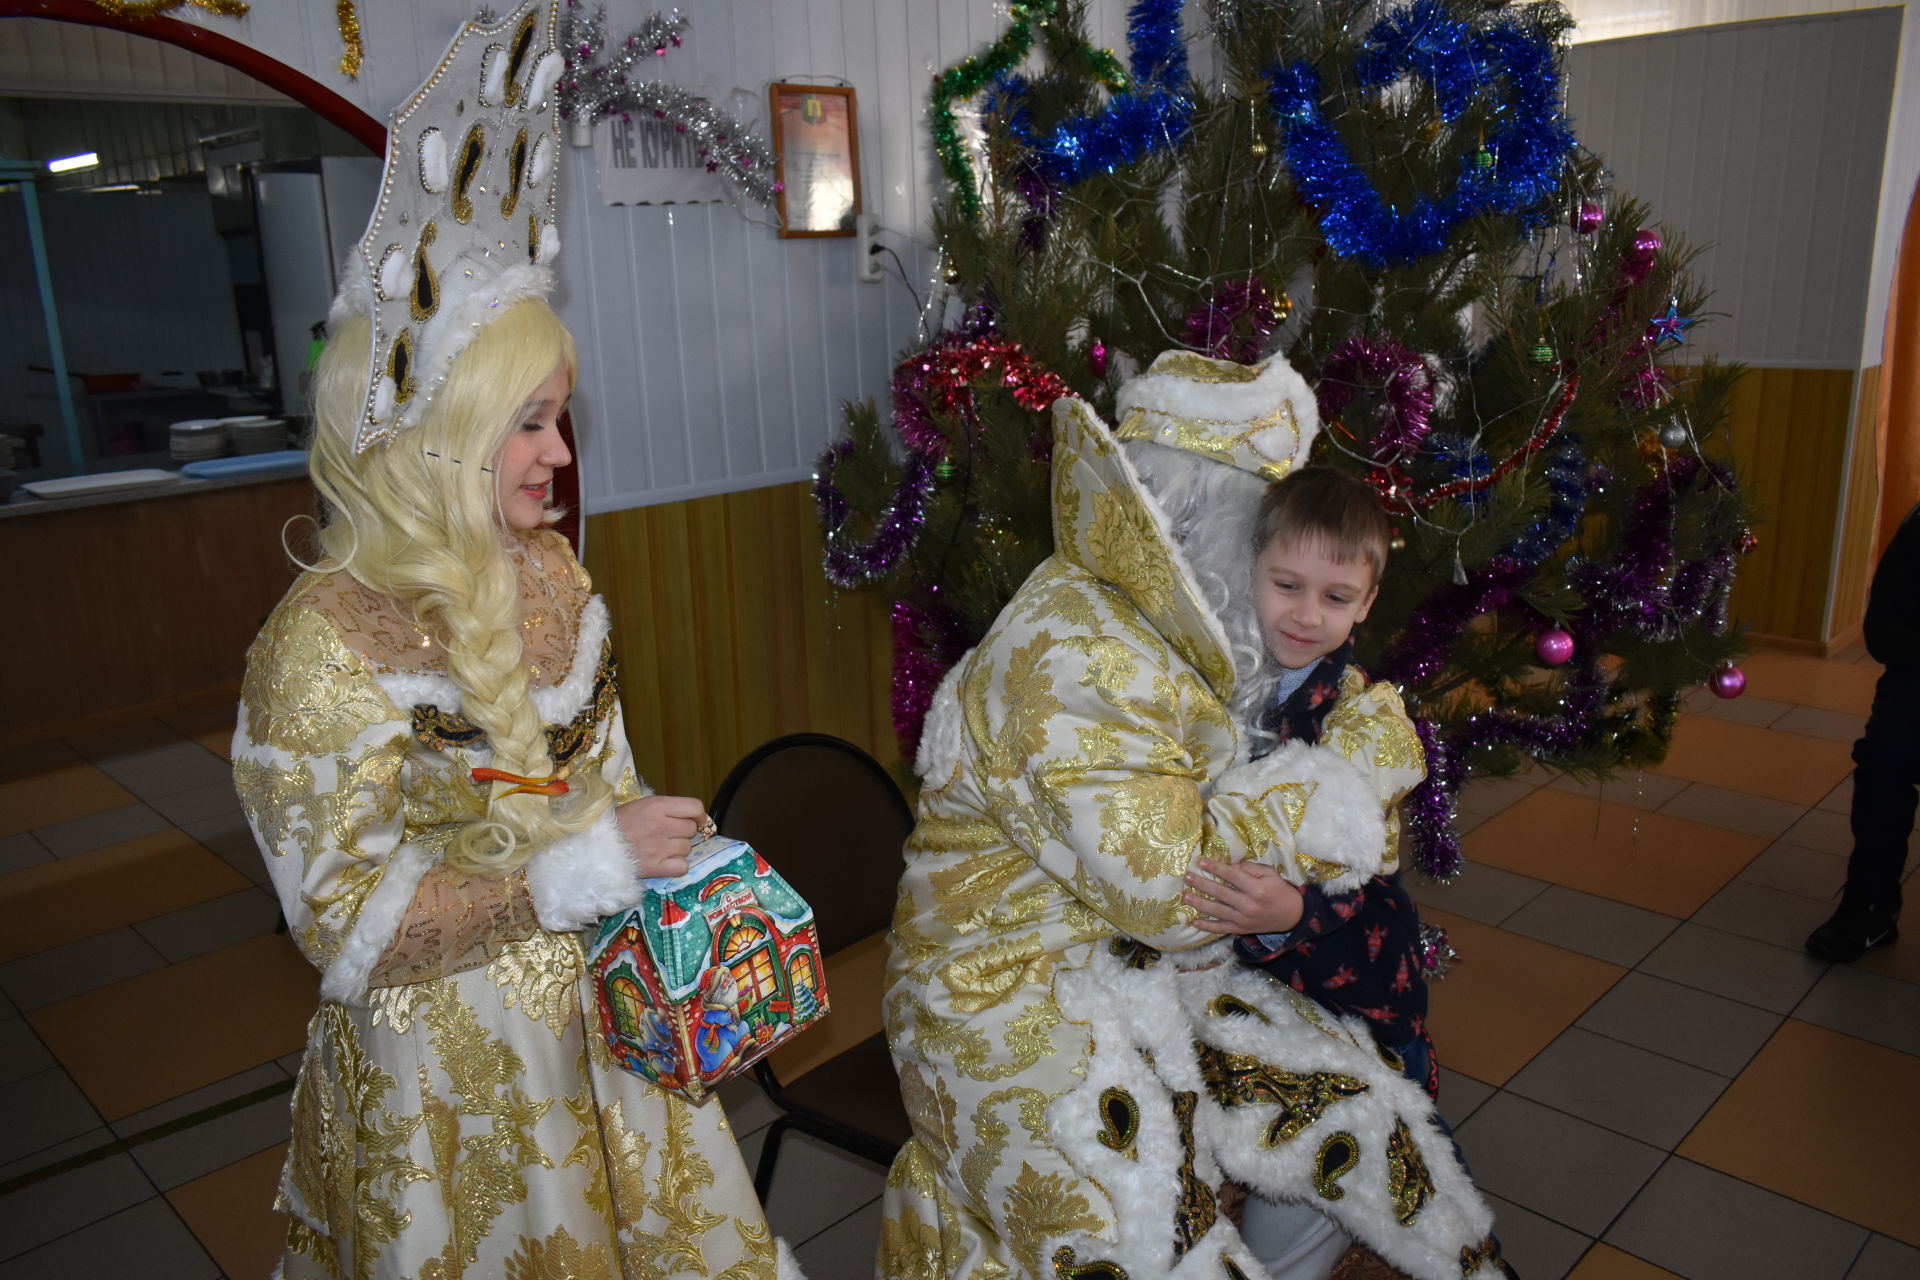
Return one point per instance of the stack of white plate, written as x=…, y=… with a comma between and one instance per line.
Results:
x=257, y=434
x=197, y=439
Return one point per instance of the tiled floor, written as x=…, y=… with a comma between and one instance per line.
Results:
x=1647, y=1075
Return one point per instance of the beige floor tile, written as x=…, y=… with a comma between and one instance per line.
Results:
x=1745, y=709
x=1604, y=1262
x=1825, y=1119
x=1636, y=790
x=1507, y=998
x=76, y=897
x=1649, y=860
x=196, y=1022
x=231, y=1213
x=1811, y=682
x=1761, y=762
x=1734, y=810
x=60, y=794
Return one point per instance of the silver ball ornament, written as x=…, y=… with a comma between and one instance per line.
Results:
x=1674, y=436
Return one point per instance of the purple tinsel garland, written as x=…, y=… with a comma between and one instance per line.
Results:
x=1234, y=322
x=926, y=642
x=1429, y=807
x=850, y=563
x=1405, y=381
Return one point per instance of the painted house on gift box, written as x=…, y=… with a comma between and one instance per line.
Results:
x=708, y=973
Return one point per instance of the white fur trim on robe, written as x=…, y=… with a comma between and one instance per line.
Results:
x=377, y=926
x=1343, y=823
x=943, y=734
x=579, y=878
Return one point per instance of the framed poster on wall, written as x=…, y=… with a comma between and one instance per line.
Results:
x=816, y=139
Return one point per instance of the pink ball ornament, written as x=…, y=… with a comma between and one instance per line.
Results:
x=1587, y=219
x=1097, y=358
x=1554, y=647
x=1728, y=682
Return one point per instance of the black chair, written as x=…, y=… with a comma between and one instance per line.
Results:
x=830, y=820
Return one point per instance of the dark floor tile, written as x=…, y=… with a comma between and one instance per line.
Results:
x=1479, y=892
x=1535, y=1246
x=1619, y=1087
x=97, y=830
x=21, y=1052
x=1554, y=1164
x=40, y=1110
x=214, y=800
x=1885, y=1259
x=148, y=1241
x=1681, y=1022
x=1591, y=925
x=49, y=1209
x=1763, y=914
x=55, y=974
x=1867, y=1006
x=1755, y=973
x=21, y=850
x=208, y=926
x=1702, y=1224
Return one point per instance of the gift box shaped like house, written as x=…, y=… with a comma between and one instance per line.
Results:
x=709, y=973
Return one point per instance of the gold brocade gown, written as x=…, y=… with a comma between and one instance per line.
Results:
x=1082, y=1066
x=457, y=1111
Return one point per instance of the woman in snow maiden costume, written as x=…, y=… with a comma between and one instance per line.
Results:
x=430, y=752
x=1082, y=1065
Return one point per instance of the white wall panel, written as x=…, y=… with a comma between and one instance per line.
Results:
x=1761, y=143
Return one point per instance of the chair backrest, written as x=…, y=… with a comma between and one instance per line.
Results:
x=830, y=820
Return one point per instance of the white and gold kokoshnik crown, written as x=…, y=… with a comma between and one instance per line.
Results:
x=465, y=222
x=1260, y=418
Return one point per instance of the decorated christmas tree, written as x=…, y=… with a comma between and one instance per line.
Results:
x=1394, y=202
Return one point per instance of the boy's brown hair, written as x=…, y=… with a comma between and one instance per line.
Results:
x=1325, y=505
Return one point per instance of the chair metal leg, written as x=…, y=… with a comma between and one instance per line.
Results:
x=769, y=1153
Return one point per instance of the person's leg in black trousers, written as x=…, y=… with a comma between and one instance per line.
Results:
x=1886, y=773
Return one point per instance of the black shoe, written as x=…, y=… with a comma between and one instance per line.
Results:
x=1852, y=932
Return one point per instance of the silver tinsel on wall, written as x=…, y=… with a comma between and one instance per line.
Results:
x=598, y=85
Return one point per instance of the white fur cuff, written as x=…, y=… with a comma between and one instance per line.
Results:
x=1343, y=821
x=579, y=878
x=377, y=926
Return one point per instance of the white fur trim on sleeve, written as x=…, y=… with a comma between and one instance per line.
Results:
x=379, y=922
x=560, y=703
x=579, y=878
x=943, y=739
x=1343, y=821
x=785, y=1267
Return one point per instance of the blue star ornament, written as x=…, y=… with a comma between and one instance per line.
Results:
x=1671, y=326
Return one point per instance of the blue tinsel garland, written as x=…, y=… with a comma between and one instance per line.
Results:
x=1528, y=146
x=1154, y=113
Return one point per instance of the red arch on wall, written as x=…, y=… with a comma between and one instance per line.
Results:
x=302, y=88
x=306, y=91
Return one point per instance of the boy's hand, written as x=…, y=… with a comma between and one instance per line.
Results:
x=1242, y=897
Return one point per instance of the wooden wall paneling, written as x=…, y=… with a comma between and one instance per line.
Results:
x=1861, y=517
x=728, y=633
x=139, y=604
x=1789, y=430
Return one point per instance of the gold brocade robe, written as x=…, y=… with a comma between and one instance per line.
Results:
x=1077, y=1077
x=472, y=1123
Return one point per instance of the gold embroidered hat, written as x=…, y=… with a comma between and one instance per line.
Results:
x=465, y=222
x=1260, y=418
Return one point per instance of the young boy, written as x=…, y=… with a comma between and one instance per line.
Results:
x=1320, y=547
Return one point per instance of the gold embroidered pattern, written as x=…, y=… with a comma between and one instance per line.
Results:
x=305, y=692
x=484, y=1166
x=1473, y=1256
x=270, y=796
x=439, y=730
x=541, y=977
x=1408, y=1182
x=1241, y=1080
x=1151, y=822
x=977, y=893
x=1338, y=1154
x=931, y=1109
x=991, y=974
x=758, y=1254
x=1040, y=1206
x=1128, y=550
x=1120, y=1122
x=559, y=1257
x=1224, y=1006
x=1066, y=1268
x=684, y=1174
x=1198, y=1210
